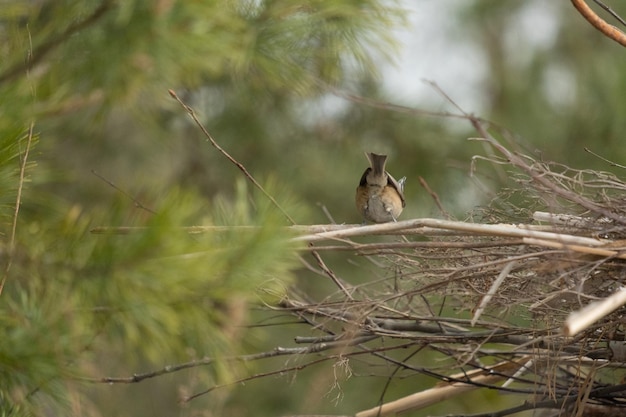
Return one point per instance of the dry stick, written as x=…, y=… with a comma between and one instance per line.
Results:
x=295, y=368
x=445, y=95
x=567, y=220
x=138, y=203
x=243, y=169
x=313, y=228
x=583, y=318
x=338, y=282
x=492, y=291
x=435, y=197
x=611, y=163
x=514, y=159
x=610, y=11
x=53, y=42
x=549, y=403
x=376, y=229
x=445, y=391
x=371, y=247
x=517, y=161
x=385, y=105
x=18, y=201
x=576, y=248
x=398, y=367
x=505, y=230
x=277, y=351
x=608, y=30
x=297, y=228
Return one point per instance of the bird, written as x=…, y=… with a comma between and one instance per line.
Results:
x=379, y=197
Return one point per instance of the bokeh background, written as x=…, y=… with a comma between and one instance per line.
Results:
x=108, y=146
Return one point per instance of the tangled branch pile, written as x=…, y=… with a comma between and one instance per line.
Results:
x=493, y=304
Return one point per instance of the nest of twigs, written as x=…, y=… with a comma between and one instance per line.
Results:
x=533, y=307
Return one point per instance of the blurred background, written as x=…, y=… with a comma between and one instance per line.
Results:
x=268, y=79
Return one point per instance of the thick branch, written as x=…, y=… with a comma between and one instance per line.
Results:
x=609, y=31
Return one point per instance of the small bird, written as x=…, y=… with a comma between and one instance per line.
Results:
x=379, y=197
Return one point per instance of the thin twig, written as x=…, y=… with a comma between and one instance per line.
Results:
x=492, y=291
x=53, y=42
x=138, y=203
x=519, y=162
x=528, y=405
x=238, y=164
x=277, y=351
x=473, y=380
x=611, y=163
x=435, y=197
x=610, y=11
x=343, y=287
x=355, y=98
x=18, y=202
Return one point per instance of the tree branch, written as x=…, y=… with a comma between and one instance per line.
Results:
x=36, y=55
x=596, y=21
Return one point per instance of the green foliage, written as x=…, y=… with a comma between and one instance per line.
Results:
x=154, y=296
x=148, y=46
x=12, y=148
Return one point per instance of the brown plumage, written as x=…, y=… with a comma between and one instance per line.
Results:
x=379, y=197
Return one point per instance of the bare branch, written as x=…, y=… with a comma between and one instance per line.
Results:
x=582, y=319
x=596, y=21
x=434, y=395
x=138, y=203
x=238, y=164
x=36, y=55
x=249, y=176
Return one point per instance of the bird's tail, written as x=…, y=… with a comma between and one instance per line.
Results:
x=377, y=162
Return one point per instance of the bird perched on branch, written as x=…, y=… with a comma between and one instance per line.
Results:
x=379, y=197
